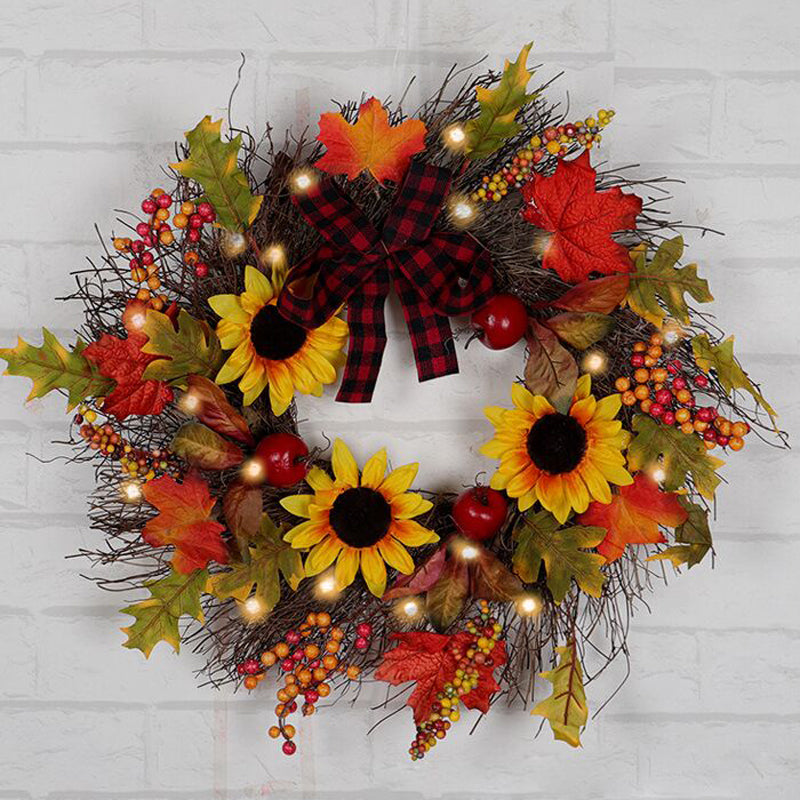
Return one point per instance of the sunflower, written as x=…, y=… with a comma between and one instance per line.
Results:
x=562, y=460
x=356, y=521
x=268, y=350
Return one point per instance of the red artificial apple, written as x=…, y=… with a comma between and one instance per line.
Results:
x=480, y=512
x=502, y=322
x=283, y=456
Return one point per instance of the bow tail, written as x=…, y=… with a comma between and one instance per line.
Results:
x=431, y=335
x=365, y=316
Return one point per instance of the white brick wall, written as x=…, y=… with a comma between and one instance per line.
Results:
x=93, y=92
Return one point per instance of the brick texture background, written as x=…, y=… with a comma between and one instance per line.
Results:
x=93, y=93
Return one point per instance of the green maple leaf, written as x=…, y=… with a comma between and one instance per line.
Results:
x=693, y=538
x=676, y=453
x=499, y=107
x=660, y=280
x=192, y=349
x=53, y=366
x=214, y=165
x=721, y=359
x=565, y=709
x=563, y=553
x=157, y=617
x=266, y=558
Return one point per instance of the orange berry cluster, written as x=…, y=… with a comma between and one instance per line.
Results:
x=133, y=461
x=554, y=141
x=308, y=657
x=157, y=232
x=664, y=393
x=485, y=630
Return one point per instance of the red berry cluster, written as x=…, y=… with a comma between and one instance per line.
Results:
x=485, y=630
x=135, y=462
x=156, y=231
x=664, y=393
x=308, y=657
x=555, y=141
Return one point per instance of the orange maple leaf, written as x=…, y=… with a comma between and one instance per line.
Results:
x=371, y=143
x=184, y=521
x=633, y=516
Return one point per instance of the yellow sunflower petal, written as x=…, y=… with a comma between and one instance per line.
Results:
x=405, y=506
x=494, y=448
x=374, y=470
x=595, y=482
x=552, y=495
x=298, y=504
x=374, y=570
x=231, y=334
x=395, y=555
x=615, y=473
x=576, y=492
x=584, y=387
x=229, y=307
x=306, y=534
x=281, y=388
x=321, y=366
x=254, y=382
x=411, y=533
x=583, y=410
x=608, y=407
x=523, y=482
x=347, y=567
x=251, y=303
x=499, y=480
x=521, y=397
x=527, y=500
x=344, y=465
x=318, y=479
x=322, y=556
x=300, y=374
x=398, y=481
x=257, y=283
x=495, y=415
x=238, y=361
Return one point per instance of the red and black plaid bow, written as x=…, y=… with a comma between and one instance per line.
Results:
x=435, y=273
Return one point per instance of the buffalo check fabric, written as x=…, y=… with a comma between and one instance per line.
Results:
x=436, y=274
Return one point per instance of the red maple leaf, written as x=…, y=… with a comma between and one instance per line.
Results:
x=123, y=361
x=581, y=220
x=633, y=516
x=370, y=143
x=427, y=659
x=184, y=522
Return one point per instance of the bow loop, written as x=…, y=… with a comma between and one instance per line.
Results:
x=436, y=274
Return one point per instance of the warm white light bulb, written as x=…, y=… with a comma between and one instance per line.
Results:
x=190, y=403
x=137, y=320
x=253, y=471
x=671, y=336
x=462, y=210
x=301, y=180
x=527, y=605
x=275, y=253
x=326, y=585
x=594, y=362
x=454, y=137
x=411, y=608
x=469, y=552
x=658, y=474
x=132, y=491
x=233, y=244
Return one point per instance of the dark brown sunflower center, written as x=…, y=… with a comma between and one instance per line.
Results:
x=556, y=443
x=273, y=336
x=360, y=517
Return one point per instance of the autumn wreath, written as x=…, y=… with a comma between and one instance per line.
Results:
x=232, y=292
